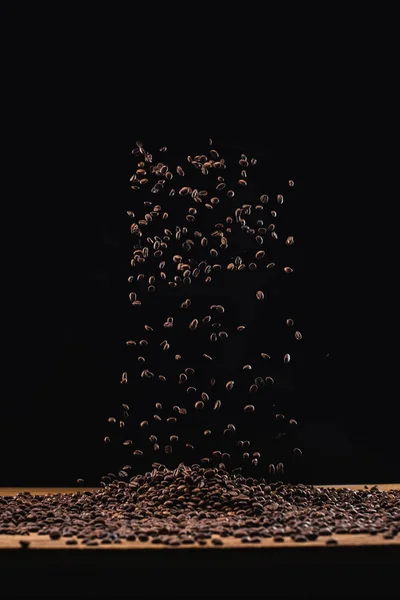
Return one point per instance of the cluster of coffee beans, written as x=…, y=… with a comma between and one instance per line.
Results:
x=197, y=225
x=197, y=505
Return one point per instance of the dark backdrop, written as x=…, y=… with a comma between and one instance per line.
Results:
x=67, y=262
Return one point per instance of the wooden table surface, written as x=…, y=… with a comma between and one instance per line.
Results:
x=359, y=566
x=44, y=542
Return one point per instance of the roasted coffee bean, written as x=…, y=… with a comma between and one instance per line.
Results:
x=193, y=324
x=184, y=191
x=217, y=541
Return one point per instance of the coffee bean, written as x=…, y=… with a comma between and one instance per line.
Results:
x=184, y=191
x=193, y=324
x=299, y=538
x=217, y=541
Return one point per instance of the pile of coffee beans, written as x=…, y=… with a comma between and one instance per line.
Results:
x=197, y=505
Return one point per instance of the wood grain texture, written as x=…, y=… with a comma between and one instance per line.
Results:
x=43, y=542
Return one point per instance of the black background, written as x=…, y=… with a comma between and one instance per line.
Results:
x=67, y=261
